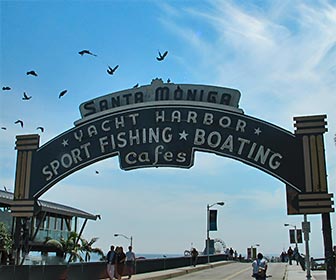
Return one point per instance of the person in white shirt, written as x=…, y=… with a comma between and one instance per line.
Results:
x=130, y=262
x=259, y=267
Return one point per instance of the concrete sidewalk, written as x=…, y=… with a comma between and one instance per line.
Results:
x=171, y=273
x=295, y=272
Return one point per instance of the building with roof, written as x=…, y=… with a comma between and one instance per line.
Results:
x=49, y=221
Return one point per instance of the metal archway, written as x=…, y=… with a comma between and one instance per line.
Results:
x=163, y=125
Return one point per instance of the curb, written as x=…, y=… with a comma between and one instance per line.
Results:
x=171, y=273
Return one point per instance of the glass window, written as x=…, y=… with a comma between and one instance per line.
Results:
x=47, y=222
x=58, y=223
x=52, y=223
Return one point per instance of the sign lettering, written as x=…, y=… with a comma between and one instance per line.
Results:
x=158, y=92
x=168, y=135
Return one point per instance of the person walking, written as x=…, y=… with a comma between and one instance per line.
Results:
x=194, y=255
x=130, y=262
x=120, y=262
x=110, y=257
x=290, y=255
x=259, y=267
x=296, y=255
x=231, y=254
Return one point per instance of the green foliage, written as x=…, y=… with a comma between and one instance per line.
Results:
x=88, y=249
x=75, y=247
x=6, y=242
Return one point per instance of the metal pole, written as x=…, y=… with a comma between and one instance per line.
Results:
x=306, y=230
x=328, y=250
x=221, y=203
x=208, y=229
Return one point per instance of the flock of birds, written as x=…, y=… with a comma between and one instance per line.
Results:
x=110, y=71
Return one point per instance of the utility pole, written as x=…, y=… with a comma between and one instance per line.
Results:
x=328, y=250
x=306, y=231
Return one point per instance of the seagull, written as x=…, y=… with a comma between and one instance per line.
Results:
x=26, y=97
x=32, y=72
x=6, y=88
x=162, y=56
x=40, y=128
x=62, y=93
x=112, y=70
x=86, y=52
x=20, y=122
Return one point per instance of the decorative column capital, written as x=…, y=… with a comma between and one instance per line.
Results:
x=310, y=124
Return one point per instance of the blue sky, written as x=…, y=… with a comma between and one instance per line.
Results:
x=279, y=54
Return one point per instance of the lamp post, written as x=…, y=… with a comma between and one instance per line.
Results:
x=221, y=203
x=129, y=238
x=295, y=232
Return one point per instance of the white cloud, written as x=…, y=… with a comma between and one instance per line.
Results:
x=251, y=45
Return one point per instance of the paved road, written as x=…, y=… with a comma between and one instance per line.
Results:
x=236, y=271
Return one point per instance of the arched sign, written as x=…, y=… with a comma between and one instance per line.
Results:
x=162, y=125
x=157, y=133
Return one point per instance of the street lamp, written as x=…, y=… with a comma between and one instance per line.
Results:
x=220, y=203
x=295, y=232
x=129, y=238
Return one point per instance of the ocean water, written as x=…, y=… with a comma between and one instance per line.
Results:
x=35, y=258
x=158, y=256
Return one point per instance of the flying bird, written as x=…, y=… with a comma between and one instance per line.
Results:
x=20, y=122
x=40, y=128
x=112, y=70
x=97, y=172
x=62, y=93
x=162, y=56
x=32, y=72
x=26, y=97
x=86, y=52
x=6, y=88
x=3, y=128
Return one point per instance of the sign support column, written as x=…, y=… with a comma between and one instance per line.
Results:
x=315, y=199
x=23, y=205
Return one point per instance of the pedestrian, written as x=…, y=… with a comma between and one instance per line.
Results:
x=130, y=262
x=296, y=255
x=259, y=267
x=194, y=255
x=231, y=253
x=235, y=255
x=290, y=255
x=120, y=262
x=110, y=257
